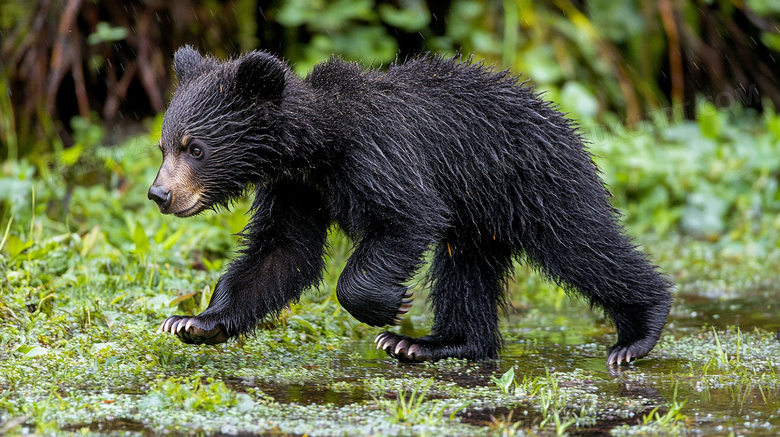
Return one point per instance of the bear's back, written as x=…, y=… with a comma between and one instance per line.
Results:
x=441, y=132
x=433, y=77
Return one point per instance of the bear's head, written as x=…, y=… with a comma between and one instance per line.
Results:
x=218, y=130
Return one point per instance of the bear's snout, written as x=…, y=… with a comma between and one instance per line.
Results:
x=161, y=196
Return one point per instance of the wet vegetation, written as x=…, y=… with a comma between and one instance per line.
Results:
x=89, y=268
x=82, y=299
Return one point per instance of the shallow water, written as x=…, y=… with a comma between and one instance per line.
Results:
x=717, y=400
x=737, y=394
x=757, y=309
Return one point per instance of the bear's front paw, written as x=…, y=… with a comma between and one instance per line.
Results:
x=404, y=307
x=191, y=330
x=373, y=307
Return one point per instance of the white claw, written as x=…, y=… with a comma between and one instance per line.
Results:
x=166, y=325
x=403, y=344
x=190, y=322
x=177, y=326
x=413, y=350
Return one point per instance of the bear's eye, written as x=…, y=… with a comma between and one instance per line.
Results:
x=196, y=151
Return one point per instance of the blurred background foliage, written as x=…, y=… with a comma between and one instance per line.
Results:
x=678, y=97
x=110, y=61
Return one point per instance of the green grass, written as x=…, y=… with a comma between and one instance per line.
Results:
x=85, y=284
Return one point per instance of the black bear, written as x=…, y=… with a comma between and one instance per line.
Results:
x=433, y=155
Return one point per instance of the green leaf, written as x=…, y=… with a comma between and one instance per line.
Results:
x=577, y=98
x=171, y=240
x=71, y=155
x=485, y=42
x=102, y=348
x=140, y=240
x=14, y=245
x=506, y=380
x=771, y=40
x=764, y=7
x=294, y=13
x=617, y=21
x=710, y=120
x=411, y=19
x=104, y=32
x=32, y=351
x=86, y=131
x=540, y=64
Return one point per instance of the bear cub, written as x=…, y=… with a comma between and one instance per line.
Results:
x=435, y=156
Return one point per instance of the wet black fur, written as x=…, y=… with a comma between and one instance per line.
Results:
x=434, y=154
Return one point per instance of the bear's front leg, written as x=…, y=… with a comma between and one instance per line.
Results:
x=371, y=287
x=285, y=242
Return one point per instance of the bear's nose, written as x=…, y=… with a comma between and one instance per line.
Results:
x=161, y=196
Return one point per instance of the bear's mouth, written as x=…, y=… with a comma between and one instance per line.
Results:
x=188, y=205
x=189, y=211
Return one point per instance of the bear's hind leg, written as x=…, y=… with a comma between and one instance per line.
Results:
x=588, y=252
x=468, y=287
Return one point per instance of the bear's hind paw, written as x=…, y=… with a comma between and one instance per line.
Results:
x=432, y=348
x=403, y=348
x=191, y=330
x=627, y=353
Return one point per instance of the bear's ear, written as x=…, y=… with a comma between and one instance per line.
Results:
x=261, y=75
x=189, y=64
